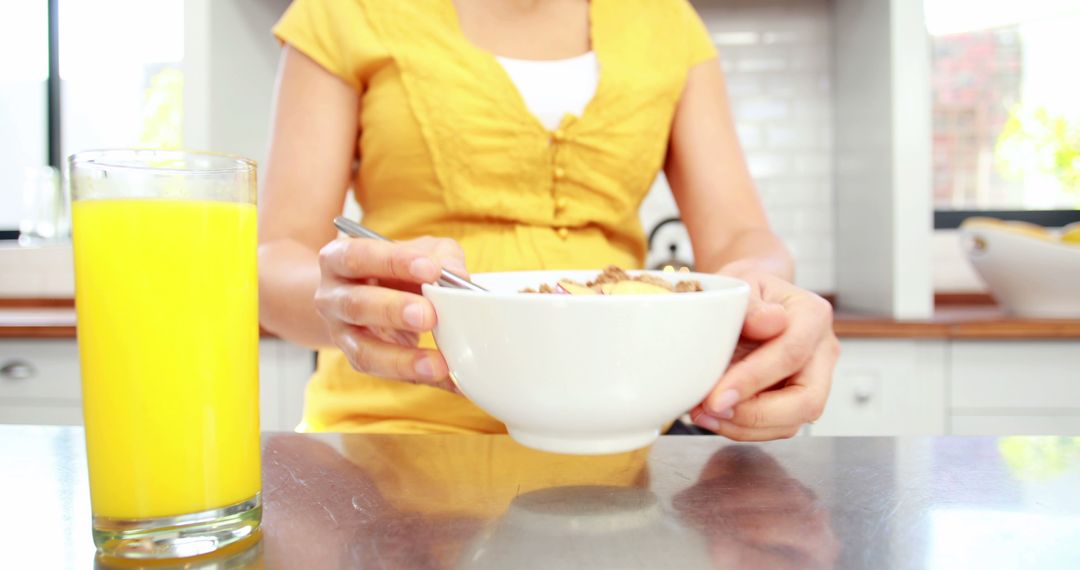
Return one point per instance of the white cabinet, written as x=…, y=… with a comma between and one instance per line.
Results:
x=40, y=384
x=881, y=386
x=887, y=387
x=961, y=387
x=1044, y=424
x=284, y=369
x=988, y=375
x=1015, y=387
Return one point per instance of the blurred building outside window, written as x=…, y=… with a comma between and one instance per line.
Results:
x=1006, y=104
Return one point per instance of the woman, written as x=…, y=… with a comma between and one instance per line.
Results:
x=523, y=133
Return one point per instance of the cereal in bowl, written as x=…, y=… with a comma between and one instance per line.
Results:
x=615, y=281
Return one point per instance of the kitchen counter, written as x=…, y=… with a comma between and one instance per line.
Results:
x=405, y=502
x=43, y=318
x=55, y=318
x=974, y=321
x=37, y=322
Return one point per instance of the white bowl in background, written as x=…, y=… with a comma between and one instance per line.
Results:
x=1028, y=275
x=587, y=374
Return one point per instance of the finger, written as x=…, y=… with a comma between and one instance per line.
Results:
x=736, y=432
x=445, y=251
x=764, y=319
x=739, y=433
x=744, y=349
x=776, y=359
x=449, y=254
x=801, y=401
x=379, y=307
x=359, y=258
x=696, y=412
x=407, y=339
x=367, y=353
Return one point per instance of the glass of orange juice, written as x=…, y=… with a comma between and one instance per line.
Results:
x=167, y=299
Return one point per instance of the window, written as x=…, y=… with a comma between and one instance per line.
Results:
x=1006, y=109
x=120, y=72
x=23, y=103
x=117, y=82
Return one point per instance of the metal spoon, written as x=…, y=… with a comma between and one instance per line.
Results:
x=448, y=279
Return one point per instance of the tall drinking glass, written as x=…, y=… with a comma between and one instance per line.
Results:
x=167, y=303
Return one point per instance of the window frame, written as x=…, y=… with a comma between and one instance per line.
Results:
x=951, y=219
x=53, y=91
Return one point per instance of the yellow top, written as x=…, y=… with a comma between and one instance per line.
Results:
x=448, y=148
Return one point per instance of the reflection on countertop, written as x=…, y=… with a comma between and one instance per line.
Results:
x=471, y=502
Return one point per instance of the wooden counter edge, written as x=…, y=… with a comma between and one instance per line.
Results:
x=37, y=332
x=968, y=316
x=887, y=328
x=23, y=331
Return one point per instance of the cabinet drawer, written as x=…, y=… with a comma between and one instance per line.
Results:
x=1015, y=374
x=886, y=387
x=39, y=369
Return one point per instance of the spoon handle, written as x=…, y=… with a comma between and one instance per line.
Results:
x=448, y=279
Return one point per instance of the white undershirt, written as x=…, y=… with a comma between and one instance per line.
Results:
x=553, y=88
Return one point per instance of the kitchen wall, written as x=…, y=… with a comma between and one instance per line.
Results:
x=777, y=58
x=230, y=62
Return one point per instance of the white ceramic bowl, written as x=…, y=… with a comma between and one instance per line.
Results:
x=586, y=374
x=1029, y=276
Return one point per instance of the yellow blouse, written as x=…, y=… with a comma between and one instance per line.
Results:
x=447, y=147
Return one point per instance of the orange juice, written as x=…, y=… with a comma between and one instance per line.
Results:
x=167, y=302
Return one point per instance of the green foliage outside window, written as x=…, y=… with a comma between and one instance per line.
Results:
x=163, y=111
x=1034, y=140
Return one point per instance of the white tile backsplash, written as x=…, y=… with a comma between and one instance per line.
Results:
x=750, y=135
x=768, y=165
x=735, y=38
x=751, y=63
x=777, y=59
x=760, y=109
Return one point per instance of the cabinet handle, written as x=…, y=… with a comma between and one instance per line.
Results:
x=862, y=397
x=16, y=370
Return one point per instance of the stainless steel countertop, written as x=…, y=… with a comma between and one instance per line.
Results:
x=474, y=502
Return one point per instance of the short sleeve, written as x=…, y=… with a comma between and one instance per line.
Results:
x=699, y=43
x=320, y=29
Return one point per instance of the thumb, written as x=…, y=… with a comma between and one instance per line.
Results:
x=451, y=257
x=454, y=264
x=764, y=320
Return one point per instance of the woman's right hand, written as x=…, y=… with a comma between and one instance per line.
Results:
x=369, y=297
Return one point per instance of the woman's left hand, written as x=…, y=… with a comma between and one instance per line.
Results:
x=782, y=369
